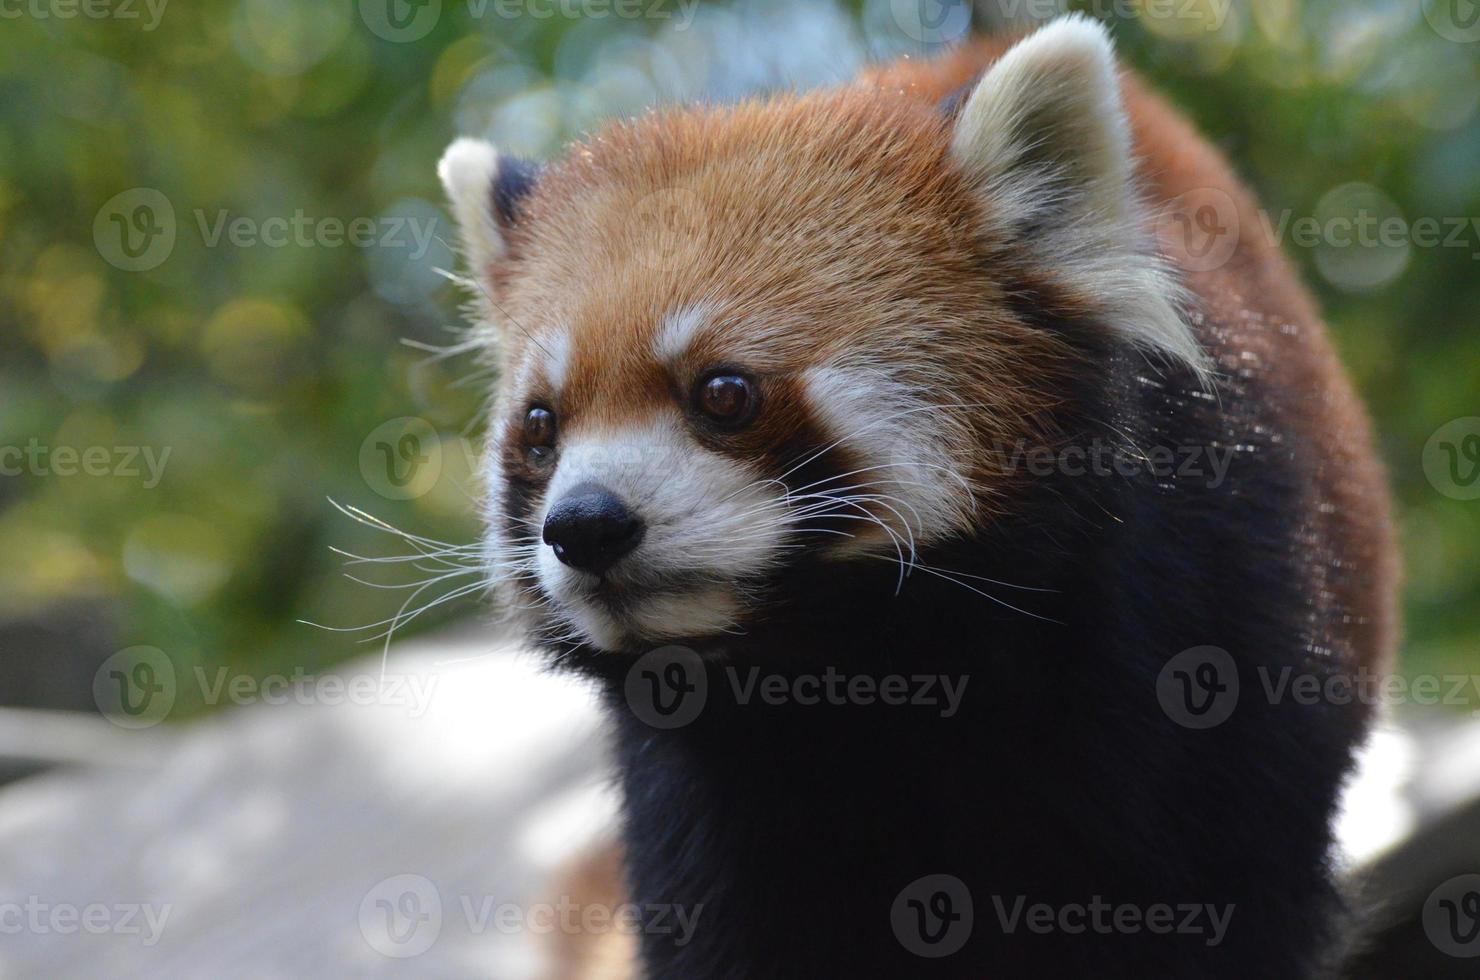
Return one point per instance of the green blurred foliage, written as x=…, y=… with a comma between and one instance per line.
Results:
x=269, y=370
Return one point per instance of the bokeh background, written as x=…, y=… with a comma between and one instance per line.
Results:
x=172, y=284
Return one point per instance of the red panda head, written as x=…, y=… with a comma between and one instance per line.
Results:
x=800, y=329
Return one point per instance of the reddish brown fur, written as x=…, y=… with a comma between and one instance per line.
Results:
x=856, y=234
x=837, y=217
x=1246, y=301
x=897, y=252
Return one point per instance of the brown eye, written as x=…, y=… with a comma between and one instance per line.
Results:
x=727, y=398
x=539, y=428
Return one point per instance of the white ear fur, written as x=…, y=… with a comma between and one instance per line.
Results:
x=1044, y=135
x=468, y=170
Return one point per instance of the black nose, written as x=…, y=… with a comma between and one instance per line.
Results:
x=590, y=528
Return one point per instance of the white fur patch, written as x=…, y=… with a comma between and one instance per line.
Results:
x=468, y=169
x=1045, y=136
x=711, y=523
x=903, y=445
x=677, y=331
x=554, y=353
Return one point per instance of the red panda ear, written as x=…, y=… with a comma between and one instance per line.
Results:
x=485, y=191
x=1044, y=136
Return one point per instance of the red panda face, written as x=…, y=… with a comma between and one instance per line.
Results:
x=732, y=340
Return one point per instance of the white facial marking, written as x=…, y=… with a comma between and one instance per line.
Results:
x=711, y=523
x=677, y=331
x=902, y=447
x=554, y=353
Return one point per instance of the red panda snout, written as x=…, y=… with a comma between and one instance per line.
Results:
x=591, y=529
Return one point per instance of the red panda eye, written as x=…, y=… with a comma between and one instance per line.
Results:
x=726, y=398
x=539, y=428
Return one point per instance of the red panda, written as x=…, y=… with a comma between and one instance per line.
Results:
x=767, y=374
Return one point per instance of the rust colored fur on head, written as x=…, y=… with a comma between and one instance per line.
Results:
x=833, y=222
x=854, y=239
